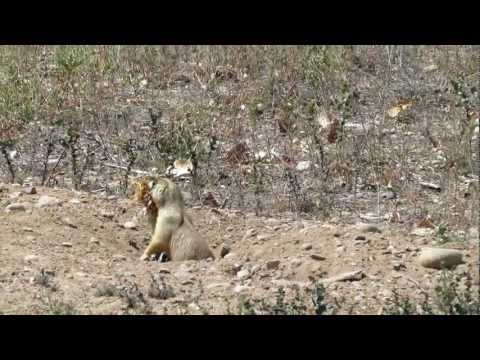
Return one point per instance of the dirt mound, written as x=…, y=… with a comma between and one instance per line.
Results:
x=79, y=253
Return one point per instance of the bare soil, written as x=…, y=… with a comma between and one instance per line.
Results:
x=65, y=258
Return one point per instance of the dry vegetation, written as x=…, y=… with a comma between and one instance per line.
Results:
x=341, y=133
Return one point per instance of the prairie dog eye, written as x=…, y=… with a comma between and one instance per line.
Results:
x=151, y=184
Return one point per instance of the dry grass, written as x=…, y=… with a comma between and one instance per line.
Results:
x=67, y=111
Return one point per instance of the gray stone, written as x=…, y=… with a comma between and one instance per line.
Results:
x=224, y=250
x=119, y=257
x=94, y=241
x=131, y=225
x=29, y=258
x=46, y=201
x=272, y=264
x=303, y=165
x=240, y=288
x=348, y=276
x=422, y=232
x=306, y=246
x=16, y=207
x=243, y=274
x=368, y=228
x=438, y=258
x=29, y=190
x=67, y=221
x=217, y=285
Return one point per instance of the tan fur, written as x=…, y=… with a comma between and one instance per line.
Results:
x=173, y=230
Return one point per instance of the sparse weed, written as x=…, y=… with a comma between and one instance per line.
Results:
x=44, y=279
x=159, y=289
x=56, y=306
x=301, y=303
x=68, y=112
x=106, y=289
x=448, y=299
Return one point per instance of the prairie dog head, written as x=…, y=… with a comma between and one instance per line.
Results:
x=164, y=192
x=155, y=193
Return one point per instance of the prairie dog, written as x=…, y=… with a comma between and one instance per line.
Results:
x=173, y=231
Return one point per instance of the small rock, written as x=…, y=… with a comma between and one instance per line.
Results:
x=240, y=288
x=94, y=240
x=131, y=225
x=296, y=262
x=243, y=274
x=303, y=165
x=224, y=250
x=250, y=233
x=27, y=229
x=53, y=161
x=359, y=242
x=368, y=228
x=229, y=256
x=397, y=266
x=107, y=214
x=194, y=309
x=217, y=285
x=306, y=246
x=360, y=238
x=389, y=195
x=119, y=257
x=261, y=155
x=236, y=267
x=81, y=274
x=290, y=284
x=29, y=190
x=46, y=201
x=317, y=257
x=67, y=244
x=67, y=221
x=431, y=67
x=422, y=232
x=348, y=276
x=255, y=268
x=29, y=258
x=431, y=186
x=15, y=195
x=438, y=258
x=16, y=207
x=371, y=217
x=272, y=264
